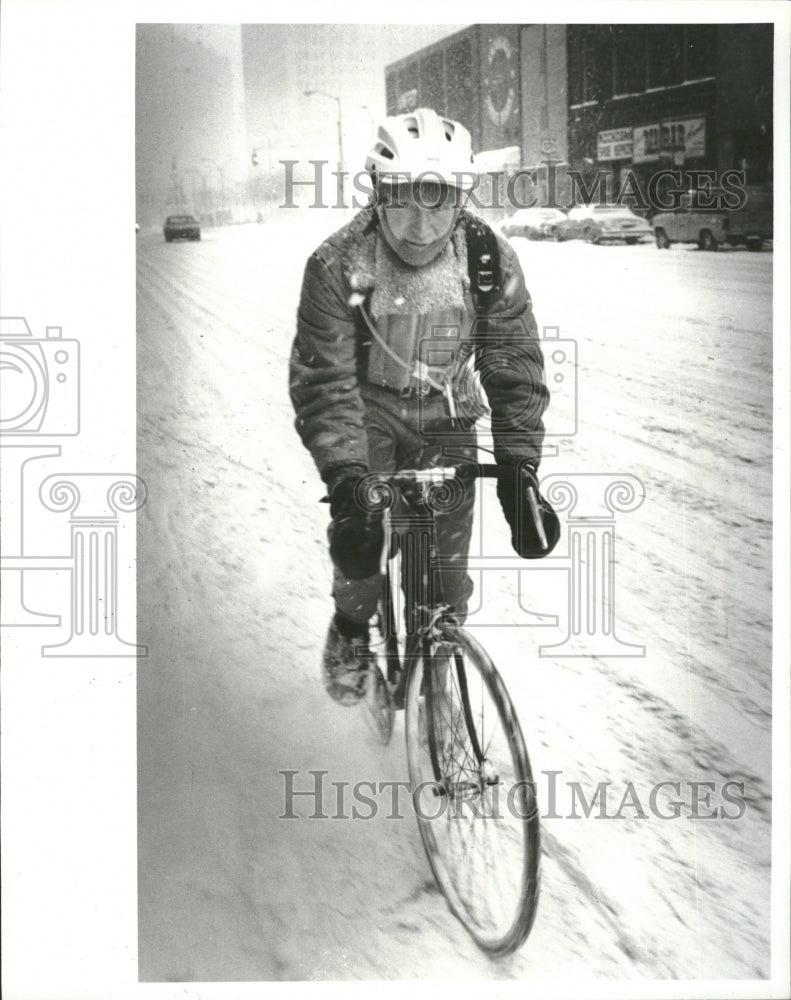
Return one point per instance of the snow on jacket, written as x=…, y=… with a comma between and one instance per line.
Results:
x=329, y=369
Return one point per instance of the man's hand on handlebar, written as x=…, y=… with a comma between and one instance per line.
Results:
x=535, y=527
x=356, y=535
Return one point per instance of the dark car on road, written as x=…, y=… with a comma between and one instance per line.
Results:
x=181, y=227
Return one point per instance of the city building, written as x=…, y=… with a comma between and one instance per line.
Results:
x=505, y=82
x=603, y=101
x=191, y=149
x=692, y=96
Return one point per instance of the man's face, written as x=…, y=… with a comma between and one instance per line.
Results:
x=420, y=214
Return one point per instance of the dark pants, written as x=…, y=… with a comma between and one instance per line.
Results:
x=393, y=445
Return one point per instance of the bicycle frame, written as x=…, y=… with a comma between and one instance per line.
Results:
x=424, y=618
x=423, y=602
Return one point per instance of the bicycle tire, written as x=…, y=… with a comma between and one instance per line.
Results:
x=442, y=727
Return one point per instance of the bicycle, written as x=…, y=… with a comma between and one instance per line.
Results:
x=472, y=786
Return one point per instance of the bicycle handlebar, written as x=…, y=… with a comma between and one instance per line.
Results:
x=441, y=474
x=467, y=470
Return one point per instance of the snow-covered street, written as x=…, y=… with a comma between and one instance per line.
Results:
x=674, y=388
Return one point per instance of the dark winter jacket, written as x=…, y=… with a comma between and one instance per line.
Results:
x=329, y=376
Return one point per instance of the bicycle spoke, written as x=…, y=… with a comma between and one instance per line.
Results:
x=483, y=853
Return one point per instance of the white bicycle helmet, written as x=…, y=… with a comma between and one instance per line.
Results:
x=422, y=143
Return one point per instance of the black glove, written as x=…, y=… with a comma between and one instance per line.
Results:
x=356, y=535
x=513, y=492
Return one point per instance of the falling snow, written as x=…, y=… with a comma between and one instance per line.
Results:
x=674, y=388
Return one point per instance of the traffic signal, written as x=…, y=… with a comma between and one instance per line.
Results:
x=255, y=157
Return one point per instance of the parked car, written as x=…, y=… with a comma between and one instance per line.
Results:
x=181, y=227
x=532, y=223
x=709, y=219
x=602, y=224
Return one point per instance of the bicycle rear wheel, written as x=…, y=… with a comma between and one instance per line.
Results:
x=473, y=791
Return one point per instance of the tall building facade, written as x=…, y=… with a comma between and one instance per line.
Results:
x=505, y=82
x=692, y=96
x=612, y=100
x=191, y=138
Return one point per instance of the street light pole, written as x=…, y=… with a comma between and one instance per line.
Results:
x=323, y=93
x=192, y=173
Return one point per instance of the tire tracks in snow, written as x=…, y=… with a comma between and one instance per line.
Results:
x=627, y=924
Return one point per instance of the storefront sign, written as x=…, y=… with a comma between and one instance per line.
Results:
x=682, y=139
x=614, y=144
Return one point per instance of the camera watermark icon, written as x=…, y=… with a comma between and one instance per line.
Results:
x=548, y=364
x=40, y=380
x=40, y=400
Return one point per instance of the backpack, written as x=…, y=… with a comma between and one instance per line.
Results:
x=483, y=259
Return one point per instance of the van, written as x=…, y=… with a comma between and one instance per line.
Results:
x=706, y=218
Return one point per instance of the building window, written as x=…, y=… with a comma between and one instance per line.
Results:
x=665, y=55
x=753, y=154
x=628, y=59
x=654, y=56
x=582, y=69
x=700, y=51
x=432, y=83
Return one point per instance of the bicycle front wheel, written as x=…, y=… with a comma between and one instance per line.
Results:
x=473, y=790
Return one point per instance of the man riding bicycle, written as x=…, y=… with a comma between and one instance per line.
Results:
x=404, y=314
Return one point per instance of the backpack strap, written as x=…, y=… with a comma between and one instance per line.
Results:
x=483, y=259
